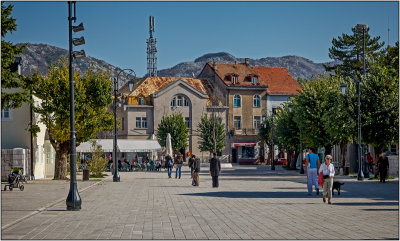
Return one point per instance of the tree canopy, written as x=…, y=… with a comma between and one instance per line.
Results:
x=211, y=133
x=92, y=96
x=17, y=89
x=348, y=49
x=174, y=125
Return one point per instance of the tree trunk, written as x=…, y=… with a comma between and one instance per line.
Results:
x=343, y=153
x=294, y=160
x=328, y=151
x=60, y=171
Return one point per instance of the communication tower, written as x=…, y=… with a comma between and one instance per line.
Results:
x=151, y=51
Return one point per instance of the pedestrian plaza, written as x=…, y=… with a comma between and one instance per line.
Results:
x=252, y=202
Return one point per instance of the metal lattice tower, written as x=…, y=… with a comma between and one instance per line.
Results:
x=151, y=50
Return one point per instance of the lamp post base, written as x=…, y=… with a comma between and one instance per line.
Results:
x=273, y=168
x=116, y=178
x=73, y=200
x=360, y=176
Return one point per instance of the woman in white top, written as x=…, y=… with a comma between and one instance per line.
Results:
x=328, y=170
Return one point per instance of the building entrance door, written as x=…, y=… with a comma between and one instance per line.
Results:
x=234, y=155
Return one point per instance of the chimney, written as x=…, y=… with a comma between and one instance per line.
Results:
x=215, y=65
x=246, y=61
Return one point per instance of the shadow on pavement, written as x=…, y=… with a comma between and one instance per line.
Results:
x=369, y=204
x=381, y=209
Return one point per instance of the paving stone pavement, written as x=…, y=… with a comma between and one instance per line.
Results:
x=252, y=202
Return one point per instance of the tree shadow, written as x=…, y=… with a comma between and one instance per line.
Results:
x=368, y=204
x=381, y=209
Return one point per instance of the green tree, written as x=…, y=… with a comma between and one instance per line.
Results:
x=92, y=96
x=310, y=105
x=380, y=103
x=98, y=162
x=14, y=90
x=287, y=133
x=265, y=133
x=211, y=134
x=348, y=49
x=174, y=125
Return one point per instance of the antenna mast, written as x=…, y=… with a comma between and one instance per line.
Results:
x=388, y=32
x=151, y=51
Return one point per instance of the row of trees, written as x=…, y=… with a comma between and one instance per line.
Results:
x=210, y=128
x=321, y=116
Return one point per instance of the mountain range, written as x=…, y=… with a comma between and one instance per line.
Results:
x=38, y=57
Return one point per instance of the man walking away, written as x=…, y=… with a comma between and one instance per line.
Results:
x=196, y=170
x=215, y=169
x=190, y=164
x=169, y=164
x=312, y=164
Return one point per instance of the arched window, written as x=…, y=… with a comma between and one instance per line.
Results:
x=185, y=101
x=173, y=103
x=256, y=101
x=237, y=101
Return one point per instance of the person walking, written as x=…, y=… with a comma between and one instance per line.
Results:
x=179, y=163
x=196, y=170
x=328, y=172
x=168, y=164
x=383, y=167
x=190, y=164
x=215, y=169
x=312, y=164
x=370, y=160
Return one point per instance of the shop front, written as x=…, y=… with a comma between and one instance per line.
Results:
x=245, y=153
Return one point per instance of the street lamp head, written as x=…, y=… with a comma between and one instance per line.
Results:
x=79, y=54
x=131, y=83
x=78, y=41
x=78, y=28
x=343, y=88
x=362, y=26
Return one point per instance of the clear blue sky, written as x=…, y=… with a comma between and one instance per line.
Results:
x=117, y=31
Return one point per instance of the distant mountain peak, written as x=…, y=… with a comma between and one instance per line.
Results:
x=214, y=57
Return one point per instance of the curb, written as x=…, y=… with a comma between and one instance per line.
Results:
x=46, y=207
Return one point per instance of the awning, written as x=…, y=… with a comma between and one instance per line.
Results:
x=106, y=145
x=235, y=144
x=127, y=145
x=123, y=145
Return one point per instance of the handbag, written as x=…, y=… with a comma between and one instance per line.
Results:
x=321, y=179
x=175, y=165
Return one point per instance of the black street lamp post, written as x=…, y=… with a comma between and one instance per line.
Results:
x=272, y=140
x=116, y=177
x=73, y=200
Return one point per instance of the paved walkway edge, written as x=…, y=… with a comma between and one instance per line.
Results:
x=47, y=206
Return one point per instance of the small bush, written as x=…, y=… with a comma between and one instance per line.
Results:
x=99, y=161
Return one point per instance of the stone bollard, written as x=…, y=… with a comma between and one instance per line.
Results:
x=85, y=175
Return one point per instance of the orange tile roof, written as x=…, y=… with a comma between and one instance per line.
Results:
x=224, y=70
x=279, y=80
x=151, y=85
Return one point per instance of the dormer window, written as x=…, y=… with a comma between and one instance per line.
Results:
x=254, y=80
x=234, y=79
x=141, y=101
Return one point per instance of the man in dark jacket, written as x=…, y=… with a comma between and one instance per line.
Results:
x=196, y=170
x=215, y=169
x=190, y=164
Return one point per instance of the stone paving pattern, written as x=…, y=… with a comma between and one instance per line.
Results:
x=252, y=202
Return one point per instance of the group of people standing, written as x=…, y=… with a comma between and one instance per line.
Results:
x=194, y=165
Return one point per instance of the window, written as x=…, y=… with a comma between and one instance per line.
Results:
x=186, y=102
x=173, y=102
x=234, y=79
x=141, y=101
x=6, y=114
x=138, y=122
x=187, y=122
x=144, y=123
x=237, y=122
x=141, y=122
x=247, y=152
x=255, y=80
x=256, y=122
x=179, y=101
x=256, y=101
x=236, y=101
